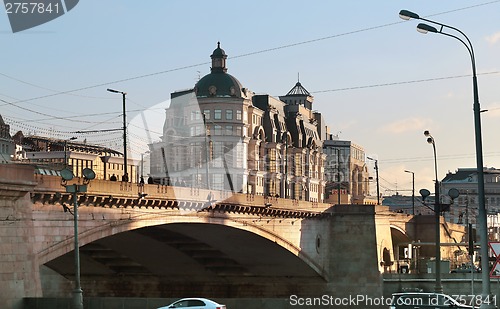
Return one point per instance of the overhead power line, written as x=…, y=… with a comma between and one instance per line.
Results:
x=234, y=57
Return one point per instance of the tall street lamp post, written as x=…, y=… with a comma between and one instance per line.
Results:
x=65, y=152
x=412, y=191
x=482, y=220
x=76, y=188
x=437, y=212
x=338, y=174
x=376, y=174
x=125, y=172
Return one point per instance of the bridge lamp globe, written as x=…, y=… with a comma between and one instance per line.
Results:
x=453, y=193
x=66, y=174
x=425, y=193
x=88, y=173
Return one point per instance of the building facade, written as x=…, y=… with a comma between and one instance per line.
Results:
x=220, y=135
x=465, y=207
x=52, y=155
x=346, y=173
x=7, y=146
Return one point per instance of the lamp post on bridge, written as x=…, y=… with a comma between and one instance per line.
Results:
x=65, y=150
x=412, y=191
x=437, y=211
x=376, y=173
x=76, y=188
x=482, y=220
x=125, y=169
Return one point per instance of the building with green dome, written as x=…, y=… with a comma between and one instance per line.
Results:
x=221, y=136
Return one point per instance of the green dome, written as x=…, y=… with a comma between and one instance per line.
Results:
x=218, y=84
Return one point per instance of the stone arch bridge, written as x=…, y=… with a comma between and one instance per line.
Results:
x=161, y=241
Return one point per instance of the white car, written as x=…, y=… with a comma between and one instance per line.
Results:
x=195, y=303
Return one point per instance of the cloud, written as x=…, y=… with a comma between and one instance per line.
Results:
x=405, y=125
x=494, y=38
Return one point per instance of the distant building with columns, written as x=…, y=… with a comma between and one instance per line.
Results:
x=346, y=170
x=50, y=155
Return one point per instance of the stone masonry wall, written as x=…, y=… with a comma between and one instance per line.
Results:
x=354, y=270
x=19, y=273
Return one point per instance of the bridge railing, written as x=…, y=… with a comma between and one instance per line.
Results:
x=52, y=184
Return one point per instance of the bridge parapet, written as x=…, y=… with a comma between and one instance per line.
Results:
x=116, y=193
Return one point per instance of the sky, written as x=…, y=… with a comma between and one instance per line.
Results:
x=376, y=80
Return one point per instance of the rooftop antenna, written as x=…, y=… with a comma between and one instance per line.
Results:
x=199, y=75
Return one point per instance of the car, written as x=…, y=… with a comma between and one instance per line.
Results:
x=422, y=300
x=195, y=303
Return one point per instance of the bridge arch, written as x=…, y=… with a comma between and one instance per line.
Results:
x=250, y=232
x=400, y=240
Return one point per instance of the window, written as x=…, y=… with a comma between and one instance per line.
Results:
x=196, y=303
x=217, y=130
x=218, y=181
x=207, y=113
x=195, y=131
x=229, y=130
x=229, y=114
x=217, y=114
x=238, y=115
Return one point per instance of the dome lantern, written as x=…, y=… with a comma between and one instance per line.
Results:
x=219, y=59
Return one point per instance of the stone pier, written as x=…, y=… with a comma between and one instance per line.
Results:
x=19, y=268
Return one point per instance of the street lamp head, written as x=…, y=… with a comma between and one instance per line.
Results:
x=430, y=139
x=88, y=173
x=425, y=193
x=116, y=91
x=453, y=193
x=407, y=15
x=407, y=171
x=424, y=28
x=66, y=174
